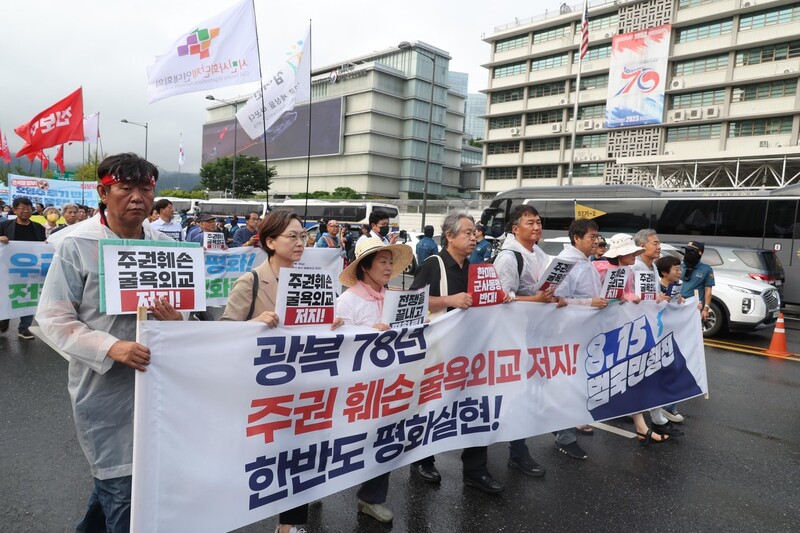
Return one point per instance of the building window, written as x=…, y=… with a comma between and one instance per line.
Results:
x=700, y=65
x=773, y=17
x=509, y=121
x=553, y=33
x=511, y=95
x=588, y=169
x=763, y=126
x=768, y=54
x=544, y=117
x=511, y=70
x=588, y=111
x=546, y=89
x=694, y=133
x=598, y=52
x=592, y=82
x=511, y=43
x=604, y=22
x=682, y=101
x=705, y=31
x=501, y=173
x=540, y=172
x=686, y=4
x=543, y=145
x=588, y=141
x=549, y=62
x=504, y=148
x=765, y=91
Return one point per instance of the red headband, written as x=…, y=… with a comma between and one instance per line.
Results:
x=109, y=180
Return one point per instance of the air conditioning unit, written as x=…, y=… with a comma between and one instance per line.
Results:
x=763, y=144
x=748, y=3
x=598, y=125
x=562, y=101
x=679, y=115
x=586, y=158
x=779, y=145
x=608, y=35
x=677, y=83
x=556, y=128
x=788, y=71
x=695, y=114
x=668, y=152
x=712, y=112
x=588, y=124
x=515, y=131
x=595, y=158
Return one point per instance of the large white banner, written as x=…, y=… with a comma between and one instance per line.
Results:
x=287, y=416
x=637, y=77
x=53, y=192
x=23, y=266
x=217, y=52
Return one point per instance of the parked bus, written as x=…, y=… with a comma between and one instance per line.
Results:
x=181, y=204
x=351, y=212
x=226, y=207
x=762, y=219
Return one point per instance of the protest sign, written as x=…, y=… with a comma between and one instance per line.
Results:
x=305, y=297
x=614, y=283
x=646, y=284
x=405, y=308
x=484, y=285
x=288, y=416
x=554, y=274
x=224, y=267
x=214, y=240
x=23, y=267
x=134, y=273
x=53, y=192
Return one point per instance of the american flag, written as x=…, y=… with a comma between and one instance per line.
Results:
x=585, y=30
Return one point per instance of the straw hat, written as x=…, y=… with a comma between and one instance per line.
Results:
x=401, y=253
x=622, y=244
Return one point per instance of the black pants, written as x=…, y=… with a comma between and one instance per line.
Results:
x=517, y=449
x=473, y=459
x=374, y=490
x=298, y=515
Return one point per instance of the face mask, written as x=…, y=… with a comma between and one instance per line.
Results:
x=691, y=258
x=383, y=231
x=52, y=217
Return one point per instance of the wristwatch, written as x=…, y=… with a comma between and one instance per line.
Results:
x=706, y=307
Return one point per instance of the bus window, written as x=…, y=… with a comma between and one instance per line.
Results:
x=622, y=216
x=780, y=219
x=688, y=217
x=741, y=218
x=556, y=214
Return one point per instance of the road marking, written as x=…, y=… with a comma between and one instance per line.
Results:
x=744, y=348
x=612, y=429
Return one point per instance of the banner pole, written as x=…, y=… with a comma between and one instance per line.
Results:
x=308, y=152
x=263, y=117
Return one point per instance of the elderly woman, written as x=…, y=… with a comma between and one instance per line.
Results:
x=362, y=305
x=51, y=216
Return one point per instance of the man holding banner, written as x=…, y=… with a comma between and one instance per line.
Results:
x=103, y=353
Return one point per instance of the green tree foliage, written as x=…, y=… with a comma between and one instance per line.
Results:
x=339, y=193
x=87, y=171
x=217, y=175
x=197, y=194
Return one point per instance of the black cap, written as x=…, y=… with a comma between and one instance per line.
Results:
x=696, y=245
x=203, y=218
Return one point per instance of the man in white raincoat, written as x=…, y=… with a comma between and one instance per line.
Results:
x=103, y=355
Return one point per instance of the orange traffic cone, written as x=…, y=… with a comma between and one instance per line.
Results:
x=777, y=345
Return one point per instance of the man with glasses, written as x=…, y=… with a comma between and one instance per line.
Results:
x=21, y=228
x=379, y=227
x=331, y=238
x=165, y=223
x=248, y=235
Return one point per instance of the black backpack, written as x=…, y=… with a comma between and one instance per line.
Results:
x=516, y=253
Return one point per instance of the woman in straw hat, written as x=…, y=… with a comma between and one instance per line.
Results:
x=361, y=304
x=622, y=252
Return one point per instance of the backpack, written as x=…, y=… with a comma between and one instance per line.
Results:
x=516, y=253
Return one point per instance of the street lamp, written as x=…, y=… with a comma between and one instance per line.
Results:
x=146, y=127
x=405, y=45
x=235, y=129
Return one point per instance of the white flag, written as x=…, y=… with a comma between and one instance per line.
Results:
x=218, y=52
x=181, y=155
x=91, y=128
x=291, y=82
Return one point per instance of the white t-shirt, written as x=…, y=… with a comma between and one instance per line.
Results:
x=172, y=229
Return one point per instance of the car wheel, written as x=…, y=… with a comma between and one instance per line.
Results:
x=410, y=269
x=716, y=320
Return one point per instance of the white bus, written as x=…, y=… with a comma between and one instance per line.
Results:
x=181, y=204
x=349, y=211
x=226, y=207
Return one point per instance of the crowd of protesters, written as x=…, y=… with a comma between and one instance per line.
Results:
x=105, y=356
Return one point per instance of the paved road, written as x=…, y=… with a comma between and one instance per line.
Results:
x=737, y=469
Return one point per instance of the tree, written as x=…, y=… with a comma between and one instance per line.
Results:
x=87, y=171
x=217, y=175
x=196, y=194
x=339, y=193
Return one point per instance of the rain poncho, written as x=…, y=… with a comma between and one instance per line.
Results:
x=583, y=281
x=69, y=315
x=534, y=264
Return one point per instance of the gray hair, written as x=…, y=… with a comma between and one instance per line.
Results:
x=643, y=235
x=64, y=207
x=49, y=209
x=452, y=224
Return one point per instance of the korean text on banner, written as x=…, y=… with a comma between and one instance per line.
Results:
x=301, y=413
x=217, y=52
x=405, y=308
x=224, y=267
x=291, y=83
x=134, y=273
x=23, y=267
x=637, y=77
x=58, y=124
x=53, y=192
x=305, y=297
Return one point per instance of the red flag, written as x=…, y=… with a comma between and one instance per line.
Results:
x=5, y=155
x=585, y=30
x=59, y=123
x=59, y=159
x=31, y=156
x=43, y=157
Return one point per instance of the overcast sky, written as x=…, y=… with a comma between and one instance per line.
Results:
x=52, y=47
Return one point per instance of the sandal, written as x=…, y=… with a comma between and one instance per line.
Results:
x=646, y=438
x=585, y=429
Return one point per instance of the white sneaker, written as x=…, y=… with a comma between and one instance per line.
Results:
x=379, y=512
x=293, y=529
x=676, y=418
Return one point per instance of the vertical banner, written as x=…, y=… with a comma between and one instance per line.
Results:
x=23, y=266
x=405, y=308
x=53, y=192
x=305, y=297
x=133, y=273
x=637, y=77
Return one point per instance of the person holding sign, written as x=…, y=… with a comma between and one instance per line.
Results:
x=648, y=239
x=621, y=254
x=207, y=224
x=362, y=305
x=104, y=356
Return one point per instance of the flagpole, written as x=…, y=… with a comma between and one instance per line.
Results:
x=584, y=35
x=308, y=152
x=263, y=118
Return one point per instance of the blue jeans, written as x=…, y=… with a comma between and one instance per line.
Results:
x=25, y=322
x=109, y=507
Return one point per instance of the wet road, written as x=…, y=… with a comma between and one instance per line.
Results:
x=737, y=468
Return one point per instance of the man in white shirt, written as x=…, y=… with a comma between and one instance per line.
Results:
x=164, y=222
x=379, y=227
